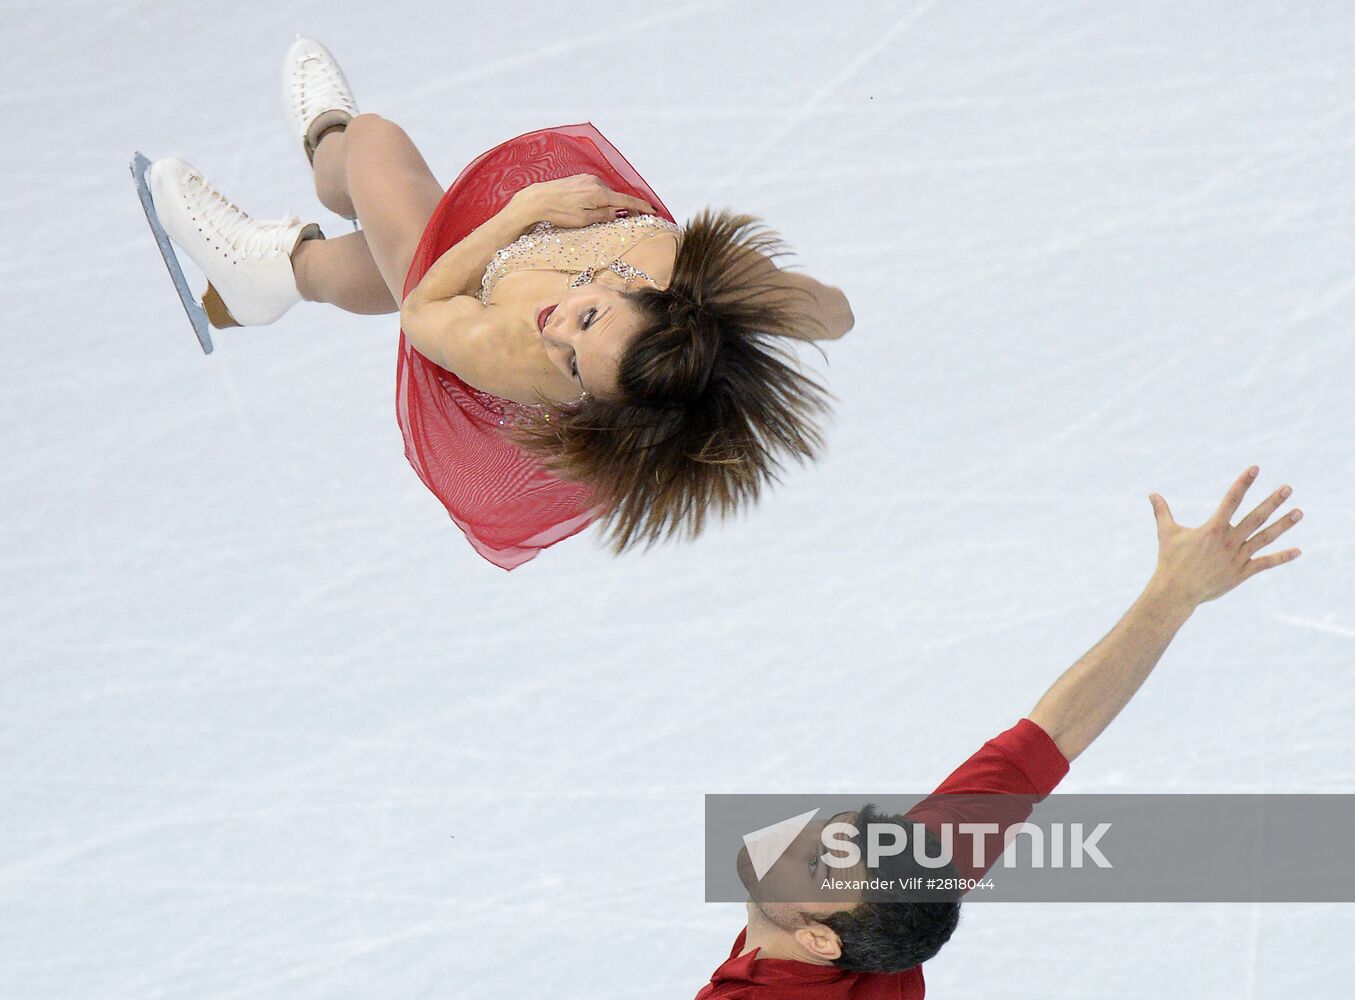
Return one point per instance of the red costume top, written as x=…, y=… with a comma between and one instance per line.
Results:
x=1023, y=761
x=508, y=505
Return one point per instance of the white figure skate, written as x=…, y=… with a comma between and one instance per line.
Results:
x=247, y=263
x=315, y=93
x=196, y=315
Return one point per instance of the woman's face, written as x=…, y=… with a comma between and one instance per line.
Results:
x=587, y=332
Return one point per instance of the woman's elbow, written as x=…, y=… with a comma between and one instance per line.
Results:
x=838, y=316
x=427, y=332
x=848, y=317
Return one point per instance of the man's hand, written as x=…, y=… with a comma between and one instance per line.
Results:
x=1200, y=564
x=1194, y=565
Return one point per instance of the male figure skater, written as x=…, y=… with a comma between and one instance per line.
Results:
x=872, y=949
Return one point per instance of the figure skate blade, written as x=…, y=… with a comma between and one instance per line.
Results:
x=196, y=314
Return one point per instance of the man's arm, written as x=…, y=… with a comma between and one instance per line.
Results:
x=1091, y=692
x=1194, y=565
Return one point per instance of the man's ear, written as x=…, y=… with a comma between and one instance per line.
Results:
x=820, y=940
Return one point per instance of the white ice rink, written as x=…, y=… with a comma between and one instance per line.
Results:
x=271, y=729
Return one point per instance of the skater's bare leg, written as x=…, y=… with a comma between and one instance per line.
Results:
x=331, y=173
x=372, y=170
x=341, y=271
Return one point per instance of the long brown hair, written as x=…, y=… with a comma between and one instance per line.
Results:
x=709, y=404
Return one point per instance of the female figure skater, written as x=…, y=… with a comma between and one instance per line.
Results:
x=567, y=351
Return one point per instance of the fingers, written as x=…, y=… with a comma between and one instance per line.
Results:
x=1162, y=512
x=1263, y=510
x=1263, y=538
x=619, y=206
x=594, y=201
x=625, y=201
x=1233, y=498
x=1255, y=566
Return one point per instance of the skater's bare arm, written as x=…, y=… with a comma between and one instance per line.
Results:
x=449, y=332
x=569, y=202
x=480, y=346
x=460, y=270
x=1091, y=693
x=1195, y=565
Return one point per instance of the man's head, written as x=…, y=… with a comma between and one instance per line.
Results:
x=863, y=930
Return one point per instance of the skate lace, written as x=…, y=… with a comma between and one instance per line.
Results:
x=236, y=229
x=321, y=82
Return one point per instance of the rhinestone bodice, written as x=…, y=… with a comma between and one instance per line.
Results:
x=580, y=252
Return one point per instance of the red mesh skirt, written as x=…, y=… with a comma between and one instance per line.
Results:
x=508, y=505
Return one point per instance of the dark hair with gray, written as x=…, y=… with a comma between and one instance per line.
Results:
x=884, y=935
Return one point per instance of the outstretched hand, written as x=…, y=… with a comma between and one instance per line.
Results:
x=580, y=200
x=1203, y=563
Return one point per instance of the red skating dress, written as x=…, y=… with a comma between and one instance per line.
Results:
x=508, y=505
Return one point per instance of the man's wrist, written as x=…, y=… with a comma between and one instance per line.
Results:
x=1168, y=599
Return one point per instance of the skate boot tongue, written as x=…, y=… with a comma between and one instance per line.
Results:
x=315, y=93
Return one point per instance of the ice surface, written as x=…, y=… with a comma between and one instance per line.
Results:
x=271, y=729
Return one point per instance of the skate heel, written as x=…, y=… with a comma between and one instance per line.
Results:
x=217, y=313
